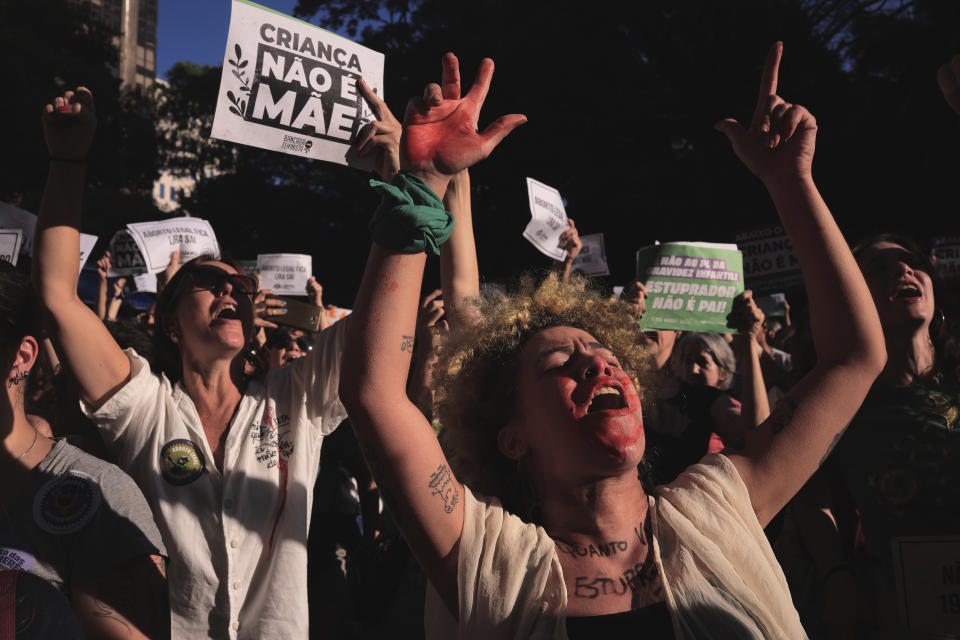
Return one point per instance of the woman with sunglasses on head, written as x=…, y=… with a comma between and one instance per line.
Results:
x=540, y=390
x=226, y=462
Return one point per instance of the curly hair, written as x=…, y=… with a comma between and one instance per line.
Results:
x=477, y=369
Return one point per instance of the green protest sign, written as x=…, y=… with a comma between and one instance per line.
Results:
x=690, y=285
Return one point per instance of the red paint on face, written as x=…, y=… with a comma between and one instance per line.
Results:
x=615, y=429
x=392, y=286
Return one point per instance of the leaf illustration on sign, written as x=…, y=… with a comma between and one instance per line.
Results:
x=239, y=106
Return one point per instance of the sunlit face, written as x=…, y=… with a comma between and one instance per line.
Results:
x=210, y=324
x=659, y=344
x=900, y=286
x=698, y=366
x=577, y=410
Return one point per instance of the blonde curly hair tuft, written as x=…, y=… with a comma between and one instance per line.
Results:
x=477, y=368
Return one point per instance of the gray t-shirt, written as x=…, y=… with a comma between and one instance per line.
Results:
x=76, y=518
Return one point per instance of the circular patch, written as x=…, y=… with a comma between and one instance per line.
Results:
x=67, y=503
x=181, y=462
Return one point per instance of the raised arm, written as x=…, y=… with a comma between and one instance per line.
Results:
x=783, y=453
x=97, y=362
x=440, y=139
x=569, y=241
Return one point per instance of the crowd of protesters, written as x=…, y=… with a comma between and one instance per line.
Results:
x=456, y=464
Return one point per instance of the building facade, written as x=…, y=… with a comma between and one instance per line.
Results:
x=135, y=22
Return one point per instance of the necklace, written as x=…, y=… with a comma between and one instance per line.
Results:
x=36, y=435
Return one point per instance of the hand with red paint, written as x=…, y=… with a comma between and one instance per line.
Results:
x=949, y=80
x=779, y=144
x=440, y=136
x=69, y=123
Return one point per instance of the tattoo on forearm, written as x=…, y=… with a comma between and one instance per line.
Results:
x=443, y=485
x=782, y=415
x=407, y=344
x=104, y=610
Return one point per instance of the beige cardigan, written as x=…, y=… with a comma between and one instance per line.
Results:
x=720, y=575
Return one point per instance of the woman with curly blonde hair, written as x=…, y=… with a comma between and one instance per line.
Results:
x=551, y=384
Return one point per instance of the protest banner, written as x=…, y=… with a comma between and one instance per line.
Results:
x=10, y=240
x=336, y=313
x=946, y=250
x=548, y=219
x=690, y=285
x=769, y=263
x=285, y=273
x=12, y=217
x=125, y=256
x=927, y=572
x=157, y=240
x=592, y=260
x=290, y=86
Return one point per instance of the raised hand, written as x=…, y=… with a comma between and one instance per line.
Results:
x=381, y=137
x=746, y=317
x=779, y=144
x=949, y=80
x=570, y=241
x=635, y=295
x=440, y=136
x=103, y=266
x=69, y=123
x=315, y=290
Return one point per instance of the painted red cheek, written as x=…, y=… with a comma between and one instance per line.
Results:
x=392, y=286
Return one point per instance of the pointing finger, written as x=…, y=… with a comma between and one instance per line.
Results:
x=478, y=92
x=377, y=105
x=451, y=77
x=769, y=80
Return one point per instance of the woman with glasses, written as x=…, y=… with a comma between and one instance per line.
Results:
x=226, y=462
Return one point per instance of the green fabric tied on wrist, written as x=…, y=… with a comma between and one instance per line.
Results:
x=411, y=217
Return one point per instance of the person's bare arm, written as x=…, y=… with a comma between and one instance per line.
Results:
x=439, y=140
x=99, y=365
x=569, y=242
x=103, y=269
x=948, y=77
x=131, y=602
x=117, y=300
x=786, y=449
x=459, y=272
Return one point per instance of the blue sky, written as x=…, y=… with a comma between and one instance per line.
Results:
x=196, y=30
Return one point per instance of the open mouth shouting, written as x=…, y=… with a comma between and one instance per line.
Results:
x=607, y=398
x=907, y=290
x=227, y=310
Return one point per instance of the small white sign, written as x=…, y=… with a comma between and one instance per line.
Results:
x=12, y=217
x=146, y=282
x=289, y=86
x=928, y=583
x=549, y=219
x=125, y=256
x=592, y=260
x=285, y=273
x=10, y=240
x=157, y=240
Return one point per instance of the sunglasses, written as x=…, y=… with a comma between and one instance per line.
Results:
x=215, y=280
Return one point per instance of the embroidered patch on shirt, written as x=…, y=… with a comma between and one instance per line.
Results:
x=181, y=462
x=67, y=503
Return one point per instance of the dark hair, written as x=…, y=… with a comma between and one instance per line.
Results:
x=19, y=313
x=166, y=353
x=943, y=327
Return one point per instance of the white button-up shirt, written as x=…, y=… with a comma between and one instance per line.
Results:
x=246, y=527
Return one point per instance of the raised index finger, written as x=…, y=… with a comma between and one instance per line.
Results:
x=377, y=105
x=771, y=69
x=451, y=77
x=478, y=92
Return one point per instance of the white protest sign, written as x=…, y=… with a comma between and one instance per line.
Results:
x=10, y=240
x=549, y=219
x=947, y=252
x=146, y=282
x=928, y=583
x=12, y=217
x=292, y=87
x=285, y=273
x=157, y=240
x=592, y=260
x=125, y=256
